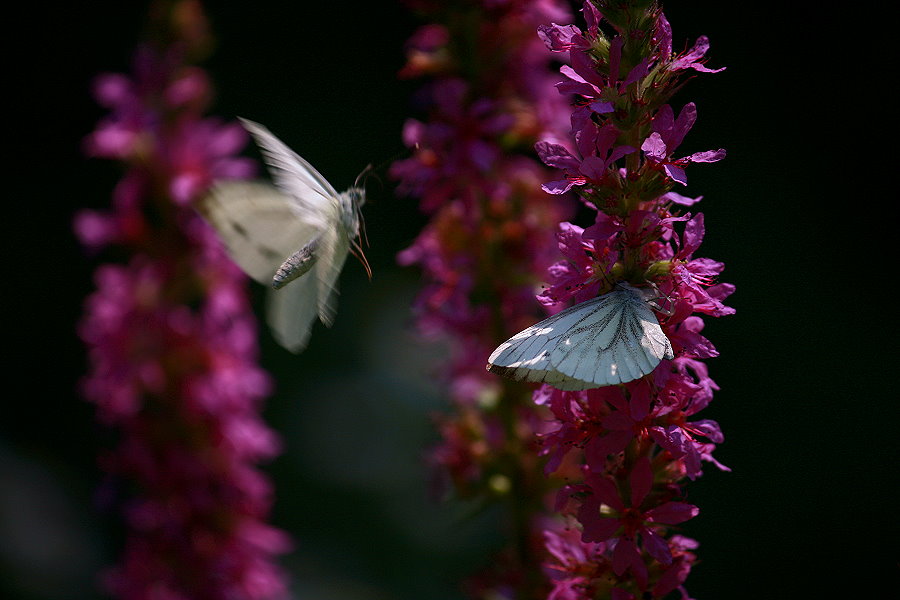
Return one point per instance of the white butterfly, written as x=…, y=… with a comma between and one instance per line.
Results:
x=300, y=226
x=614, y=338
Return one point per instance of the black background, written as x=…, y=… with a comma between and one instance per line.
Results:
x=801, y=212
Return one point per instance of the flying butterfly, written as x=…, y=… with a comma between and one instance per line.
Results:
x=297, y=232
x=614, y=338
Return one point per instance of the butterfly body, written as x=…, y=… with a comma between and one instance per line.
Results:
x=614, y=338
x=297, y=264
x=293, y=235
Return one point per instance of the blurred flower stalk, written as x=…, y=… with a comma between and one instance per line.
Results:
x=487, y=99
x=172, y=339
x=615, y=457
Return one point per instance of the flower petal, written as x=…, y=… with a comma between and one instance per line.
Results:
x=558, y=38
x=555, y=155
x=671, y=513
x=708, y=156
x=654, y=147
x=557, y=187
x=656, y=546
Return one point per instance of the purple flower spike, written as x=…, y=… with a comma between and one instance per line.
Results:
x=172, y=346
x=625, y=450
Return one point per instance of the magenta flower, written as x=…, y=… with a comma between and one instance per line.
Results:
x=562, y=38
x=667, y=135
x=576, y=277
x=692, y=59
x=628, y=522
x=599, y=152
x=577, y=566
x=695, y=277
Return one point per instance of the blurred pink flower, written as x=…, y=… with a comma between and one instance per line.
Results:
x=172, y=348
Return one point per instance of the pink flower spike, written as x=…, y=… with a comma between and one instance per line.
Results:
x=618, y=455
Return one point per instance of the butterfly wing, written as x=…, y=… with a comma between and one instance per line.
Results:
x=336, y=246
x=619, y=341
x=315, y=200
x=526, y=355
x=257, y=225
x=260, y=228
x=607, y=340
x=291, y=311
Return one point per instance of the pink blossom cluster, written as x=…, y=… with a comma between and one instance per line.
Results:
x=489, y=97
x=172, y=343
x=625, y=451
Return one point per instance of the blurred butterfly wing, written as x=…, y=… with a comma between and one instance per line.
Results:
x=618, y=340
x=314, y=198
x=526, y=355
x=257, y=224
x=335, y=245
x=291, y=311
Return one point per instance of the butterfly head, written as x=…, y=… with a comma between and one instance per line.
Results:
x=351, y=201
x=351, y=218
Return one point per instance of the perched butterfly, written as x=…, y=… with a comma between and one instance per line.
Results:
x=299, y=229
x=614, y=338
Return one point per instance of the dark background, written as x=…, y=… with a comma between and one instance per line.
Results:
x=800, y=212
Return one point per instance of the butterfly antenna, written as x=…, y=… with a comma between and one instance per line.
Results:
x=401, y=154
x=369, y=168
x=372, y=171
